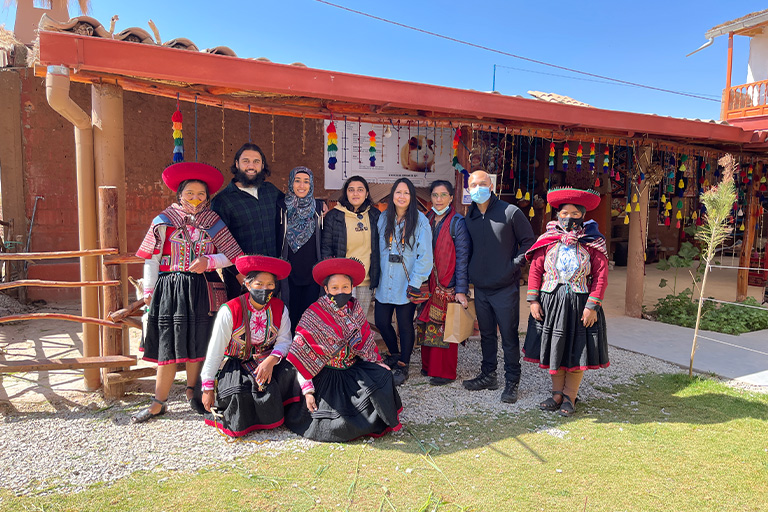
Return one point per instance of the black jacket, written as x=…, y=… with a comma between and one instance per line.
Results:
x=334, y=242
x=500, y=238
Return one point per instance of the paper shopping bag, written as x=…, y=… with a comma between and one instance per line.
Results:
x=459, y=322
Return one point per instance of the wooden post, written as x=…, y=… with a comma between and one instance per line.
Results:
x=750, y=221
x=728, y=72
x=111, y=339
x=638, y=234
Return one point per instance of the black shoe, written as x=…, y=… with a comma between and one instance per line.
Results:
x=509, y=395
x=439, y=381
x=391, y=360
x=482, y=381
x=145, y=414
x=195, y=403
x=400, y=375
x=423, y=372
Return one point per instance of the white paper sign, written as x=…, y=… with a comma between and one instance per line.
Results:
x=420, y=154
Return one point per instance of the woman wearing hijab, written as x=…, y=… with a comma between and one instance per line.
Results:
x=183, y=248
x=348, y=392
x=350, y=231
x=566, y=284
x=302, y=221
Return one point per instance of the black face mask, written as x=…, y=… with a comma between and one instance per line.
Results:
x=340, y=299
x=260, y=297
x=570, y=224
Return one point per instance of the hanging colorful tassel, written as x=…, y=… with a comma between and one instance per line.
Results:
x=677, y=224
x=668, y=206
x=667, y=221
x=372, y=150
x=519, y=194
x=548, y=209
x=178, y=139
x=551, y=157
x=606, y=161
x=579, y=153
x=679, y=215
x=333, y=147
x=455, y=145
x=565, y=157
x=628, y=208
x=626, y=219
x=527, y=196
x=637, y=207
x=681, y=183
x=531, y=213
x=592, y=157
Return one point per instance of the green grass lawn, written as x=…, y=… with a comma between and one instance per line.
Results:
x=666, y=443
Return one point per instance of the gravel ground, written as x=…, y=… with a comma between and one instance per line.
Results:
x=65, y=451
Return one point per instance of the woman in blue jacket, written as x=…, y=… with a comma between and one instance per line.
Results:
x=405, y=245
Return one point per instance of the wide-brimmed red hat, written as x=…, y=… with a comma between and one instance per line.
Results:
x=589, y=199
x=257, y=263
x=346, y=266
x=174, y=174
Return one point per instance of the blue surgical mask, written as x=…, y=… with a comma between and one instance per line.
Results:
x=440, y=212
x=480, y=194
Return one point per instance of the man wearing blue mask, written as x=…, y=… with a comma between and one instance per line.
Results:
x=501, y=235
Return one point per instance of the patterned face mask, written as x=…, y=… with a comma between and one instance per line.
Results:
x=570, y=224
x=260, y=297
x=193, y=207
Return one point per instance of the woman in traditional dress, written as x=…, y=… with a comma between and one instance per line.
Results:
x=405, y=247
x=348, y=392
x=251, y=336
x=302, y=216
x=184, y=246
x=566, y=284
x=448, y=282
x=351, y=231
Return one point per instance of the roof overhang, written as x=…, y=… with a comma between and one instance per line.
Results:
x=300, y=91
x=749, y=25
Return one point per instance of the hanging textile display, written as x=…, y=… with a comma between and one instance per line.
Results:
x=333, y=141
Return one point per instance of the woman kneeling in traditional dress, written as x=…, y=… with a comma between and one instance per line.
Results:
x=348, y=391
x=566, y=284
x=251, y=334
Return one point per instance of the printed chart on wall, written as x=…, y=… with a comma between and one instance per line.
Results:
x=421, y=154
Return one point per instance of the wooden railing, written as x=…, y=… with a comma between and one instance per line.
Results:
x=747, y=100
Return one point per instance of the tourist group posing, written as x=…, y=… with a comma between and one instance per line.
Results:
x=284, y=339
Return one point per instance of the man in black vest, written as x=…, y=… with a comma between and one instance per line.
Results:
x=248, y=206
x=501, y=234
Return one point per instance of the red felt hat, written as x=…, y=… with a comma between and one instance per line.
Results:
x=174, y=174
x=589, y=199
x=346, y=266
x=257, y=263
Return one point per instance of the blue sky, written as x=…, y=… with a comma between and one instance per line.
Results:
x=644, y=42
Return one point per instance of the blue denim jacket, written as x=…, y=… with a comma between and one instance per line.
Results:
x=418, y=260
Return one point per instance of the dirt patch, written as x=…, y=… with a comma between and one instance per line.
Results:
x=10, y=306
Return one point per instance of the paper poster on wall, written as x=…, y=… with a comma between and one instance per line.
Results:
x=465, y=199
x=420, y=154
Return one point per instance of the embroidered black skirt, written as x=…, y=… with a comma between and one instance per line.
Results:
x=243, y=408
x=178, y=322
x=560, y=340
x=358, y=401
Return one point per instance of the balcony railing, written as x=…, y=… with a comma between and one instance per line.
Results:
x=746, y=100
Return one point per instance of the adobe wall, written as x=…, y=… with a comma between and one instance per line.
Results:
x=49, y=153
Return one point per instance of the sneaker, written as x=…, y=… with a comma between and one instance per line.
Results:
x=509, y=395
x=391, y=360
x=400, y=375
x=439, y=381
x=482, y=381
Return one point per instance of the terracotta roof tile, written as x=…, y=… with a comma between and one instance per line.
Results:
x=557, y=98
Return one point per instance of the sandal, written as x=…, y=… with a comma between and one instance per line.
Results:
x=195, y=403
x=566, y=408
x=145, y=414
x=550, y=404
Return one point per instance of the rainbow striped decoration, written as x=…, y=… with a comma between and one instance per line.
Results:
x=333, y=147
x=579, y=153
x=606, y=161
x=372, y=150
x=178, y=139
x=565, y=157
x=551, y=157
x=592, y=157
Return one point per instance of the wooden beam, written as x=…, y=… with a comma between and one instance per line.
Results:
x=59, y=316
x=75, y=363
x=124, y=376
x=122, y=258
x=16, y=256
x=56, y=284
